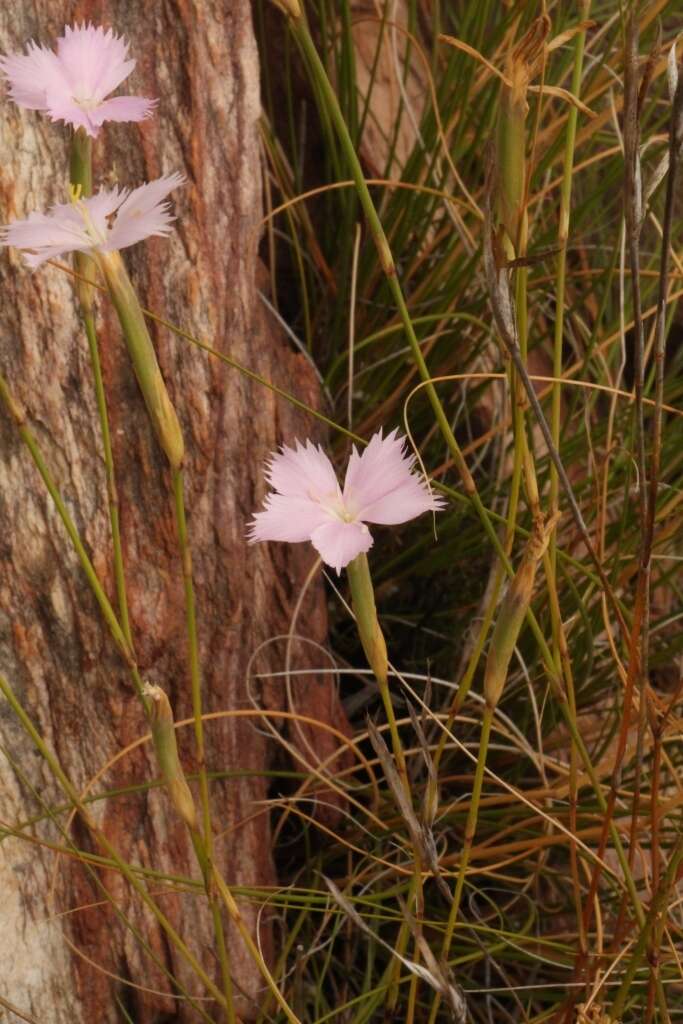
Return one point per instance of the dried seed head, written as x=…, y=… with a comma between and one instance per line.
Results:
x=525, y=59
x=522, y=64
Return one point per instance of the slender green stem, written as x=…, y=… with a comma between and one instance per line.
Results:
x=81, y=176
x=206, y=855
x=193, y=646
x=372, y=639
x=166, y=426
x=561, y=277
x=112, y=492
x=468, y=676
x=559, y=643
x=374, y=645
x=471, y=825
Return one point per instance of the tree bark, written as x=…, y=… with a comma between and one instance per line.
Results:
x=65, y=955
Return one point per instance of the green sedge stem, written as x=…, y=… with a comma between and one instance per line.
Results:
x=560, y=284
x=466, y=681
x=471, y=825
x=559, y=646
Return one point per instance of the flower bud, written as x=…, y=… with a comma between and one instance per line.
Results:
x=166, y=747
x=141, y=350
x=363, y=602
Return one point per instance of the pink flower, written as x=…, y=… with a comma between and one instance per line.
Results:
x=307, y=502
x=71, y=84
x=111, y=219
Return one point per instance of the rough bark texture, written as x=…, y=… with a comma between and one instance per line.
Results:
x=200, y=60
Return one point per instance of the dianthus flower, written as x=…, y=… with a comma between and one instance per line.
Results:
x=112, y=219
x=72, y=84
x=307, y=503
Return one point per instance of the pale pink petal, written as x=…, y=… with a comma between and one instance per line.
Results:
x=64, y=109
x=287, y=518
x=85, y=225
x=338, y=542
x=380, y=485
x=143, y=213
x=34, y=76
x=122, y=108
x=94, y=61
x=304, y=471
x=105, y=202
x=49, y=236
x=407, y=501
x=98, y=209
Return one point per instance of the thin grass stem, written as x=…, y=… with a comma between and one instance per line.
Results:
x=112, y=491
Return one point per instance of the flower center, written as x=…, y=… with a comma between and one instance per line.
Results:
x=334, y=504
x=96, y=236
x=86, y=102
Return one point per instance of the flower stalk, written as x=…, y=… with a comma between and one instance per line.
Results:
x=374, y=645
x=80, y=175
x=81, y=179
